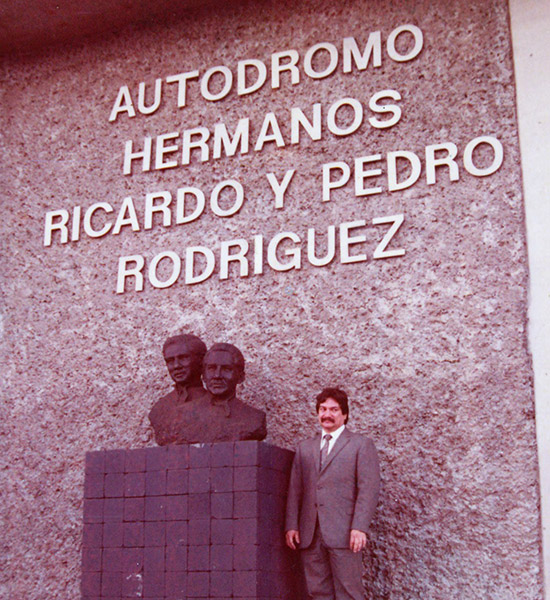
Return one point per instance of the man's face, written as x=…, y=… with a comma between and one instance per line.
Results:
x=220, y=374
x=330, y=415
x=183, y=364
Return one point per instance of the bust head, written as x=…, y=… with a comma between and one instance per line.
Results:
x=223, y=370
x=184, y=355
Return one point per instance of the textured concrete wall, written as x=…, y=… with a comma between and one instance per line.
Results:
x=430, y=345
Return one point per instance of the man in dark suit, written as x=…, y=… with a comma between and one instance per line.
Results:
x=332, y=496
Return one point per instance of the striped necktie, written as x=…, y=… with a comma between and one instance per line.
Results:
x=324, y=449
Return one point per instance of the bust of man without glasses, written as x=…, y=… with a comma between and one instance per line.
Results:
x=183, y=355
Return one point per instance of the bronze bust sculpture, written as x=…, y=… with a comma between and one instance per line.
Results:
x=190, y=414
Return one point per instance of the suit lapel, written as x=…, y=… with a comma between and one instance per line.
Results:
x=315, y=453
x=341, y=442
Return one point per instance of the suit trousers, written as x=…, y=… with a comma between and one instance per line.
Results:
x=332, y=573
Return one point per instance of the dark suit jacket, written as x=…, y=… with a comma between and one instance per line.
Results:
x=343, y=496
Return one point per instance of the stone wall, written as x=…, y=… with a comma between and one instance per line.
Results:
x=430, y=344
x=200, y=521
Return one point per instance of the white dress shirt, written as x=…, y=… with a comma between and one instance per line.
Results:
x=335, y=435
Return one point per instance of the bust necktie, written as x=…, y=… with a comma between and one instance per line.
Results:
x=324, y=449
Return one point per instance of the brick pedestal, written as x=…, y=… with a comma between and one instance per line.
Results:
x=188, y=522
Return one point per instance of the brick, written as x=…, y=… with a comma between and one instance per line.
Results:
x=221, y=584
x=155, y=534
x=155, y=483
x=133, y=536
x=132, y=586
x=114, y=461
x=93, y=485
x=177, y=508
x=246, y=454
x=270, y=507
x=153, y=560
x=221, y=558
x=199, y=456
x=273, y=482
x=134, y=485
x=199, y=532
x=114, y=485
x=266, y=480
x=155, y=458
x=112, y=560
x=281, y=480
x=266, y=455
x=279, y=558
x=155, y=508
x=176, y=557
x=112, y=534
x=279, y=458
x=135, y=460
x=221, y=454
x=199, y=480
x=199, y=506
x=245, y=505
x=245, y=557
x=93, y=510
x=134, y=509
x=221, y=531
x=177, y=457
x=269, y=534
x=177, y=481
x=245, y=479
x=113, y=509
x=269, y=585
x=132, y=561
x=221, y=479
x=222, y=505
x=177, y=533
x=90, y=584
x=176, y=584
x=198, y=558
x=95, y=462
x=91, y=560
x=245, y=532
x=266, y=504
x=92, y=535
x=153, y=585
x=198, y=585
x=244, y=584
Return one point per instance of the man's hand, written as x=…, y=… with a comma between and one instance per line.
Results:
x=292, y=538
x=357, y=540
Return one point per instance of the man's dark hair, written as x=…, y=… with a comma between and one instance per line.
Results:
x=338, y=396
x=196, y=344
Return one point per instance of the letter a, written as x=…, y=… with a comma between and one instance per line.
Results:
x=123, y=103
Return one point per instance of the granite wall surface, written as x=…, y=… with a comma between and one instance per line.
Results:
x=429, y=343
